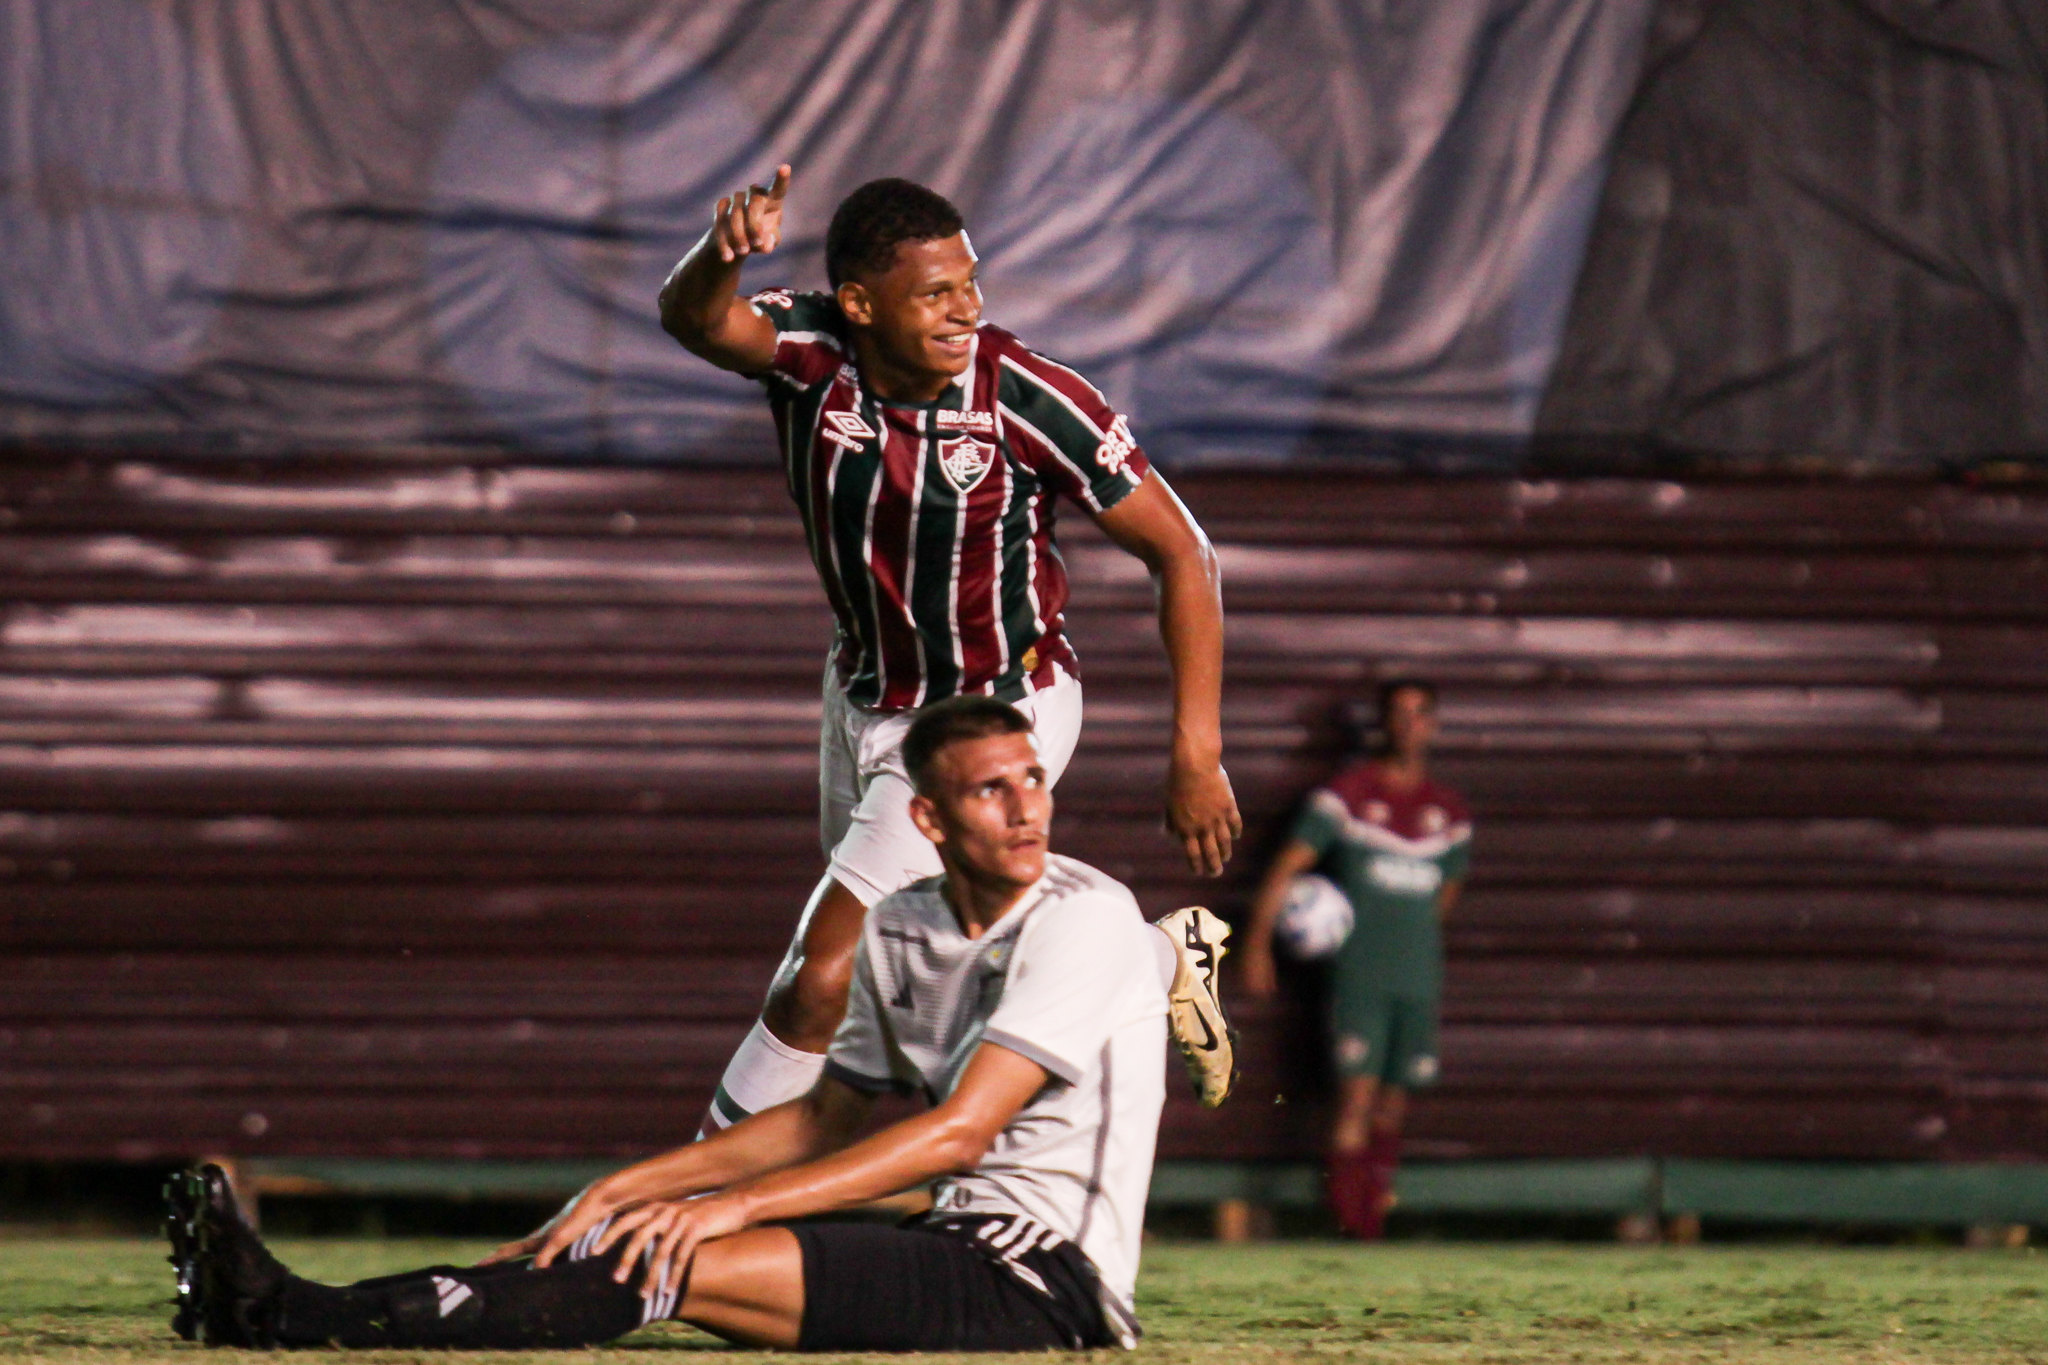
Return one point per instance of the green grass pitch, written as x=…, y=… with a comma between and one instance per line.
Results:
x=107, y=1302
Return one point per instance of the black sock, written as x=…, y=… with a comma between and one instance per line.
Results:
x=506, y=1307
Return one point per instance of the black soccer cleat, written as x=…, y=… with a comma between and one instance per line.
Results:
x=181, y=1226
x=227, y=1280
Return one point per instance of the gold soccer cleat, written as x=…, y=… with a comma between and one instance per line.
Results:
x=1194, y=1006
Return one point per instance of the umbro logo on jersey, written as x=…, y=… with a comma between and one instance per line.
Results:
x=776, y=298
x=965, y=460
x=846, y=429
x=970, y=420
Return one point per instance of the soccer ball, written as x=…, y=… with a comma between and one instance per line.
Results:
x=1316, y=918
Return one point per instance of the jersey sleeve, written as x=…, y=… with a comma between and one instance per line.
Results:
x=1071, y=985
x=860, y=1055
x=1321, y=821
x=810, y=331
x=1062, y=427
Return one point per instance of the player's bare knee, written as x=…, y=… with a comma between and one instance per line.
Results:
x=748, y=1288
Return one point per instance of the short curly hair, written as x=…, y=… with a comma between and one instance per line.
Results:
x=880, y=216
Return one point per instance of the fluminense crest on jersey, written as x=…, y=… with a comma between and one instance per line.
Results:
x=965, y=460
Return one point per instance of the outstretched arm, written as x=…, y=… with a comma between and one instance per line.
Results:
x=700, y=303
x=1151, y=523
x=941, y=1141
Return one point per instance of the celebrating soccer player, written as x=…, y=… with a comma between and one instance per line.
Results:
x=1019, y=992
x=924, y=449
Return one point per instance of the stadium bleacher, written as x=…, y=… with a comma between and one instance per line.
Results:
x=440, y=807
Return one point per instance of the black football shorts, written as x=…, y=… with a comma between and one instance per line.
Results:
x=957, y=1283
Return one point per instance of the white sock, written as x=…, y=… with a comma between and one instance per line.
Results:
x=763, y=1073
x=1169, y=958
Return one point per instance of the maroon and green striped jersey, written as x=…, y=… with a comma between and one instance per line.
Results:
x=931, y=524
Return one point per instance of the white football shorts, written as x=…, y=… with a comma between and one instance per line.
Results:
x=864, y=790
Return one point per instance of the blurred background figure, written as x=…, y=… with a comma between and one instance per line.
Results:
x=1394, y=845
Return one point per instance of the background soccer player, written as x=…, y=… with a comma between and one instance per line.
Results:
x=924, y=449
x=1397, y=843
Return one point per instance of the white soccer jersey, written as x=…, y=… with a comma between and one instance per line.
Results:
x=1067, y=978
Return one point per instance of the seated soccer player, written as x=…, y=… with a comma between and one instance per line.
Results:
x=1020, y=992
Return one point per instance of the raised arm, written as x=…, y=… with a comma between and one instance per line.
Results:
x=700, y=303
x=945, y=1140
x=1151, y=523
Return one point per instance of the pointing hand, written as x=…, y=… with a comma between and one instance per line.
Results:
x=751, y=220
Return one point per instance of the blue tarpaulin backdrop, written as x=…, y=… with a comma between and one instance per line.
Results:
x=1272, y=230
x=1265, y=228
